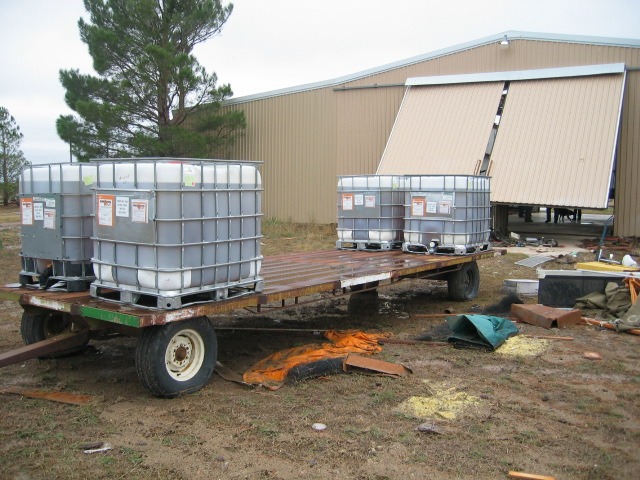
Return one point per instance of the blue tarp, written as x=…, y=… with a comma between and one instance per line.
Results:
x=480, y=331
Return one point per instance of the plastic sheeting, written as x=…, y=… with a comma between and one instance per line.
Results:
x=273, y=370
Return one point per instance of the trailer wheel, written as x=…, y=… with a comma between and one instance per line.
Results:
x=464, y=283
x=36, y=327
x=176, y=358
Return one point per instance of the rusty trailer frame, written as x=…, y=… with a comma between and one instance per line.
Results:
x=288, y=279
x=59, y=322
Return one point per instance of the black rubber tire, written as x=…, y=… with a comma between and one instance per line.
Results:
x=38, y=326
x=328, y=366
x=165, y=353
x=464, y=283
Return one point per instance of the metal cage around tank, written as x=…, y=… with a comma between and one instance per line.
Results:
x=447, y=214
x=56, y=224
x=170, y=232
x=370, y=211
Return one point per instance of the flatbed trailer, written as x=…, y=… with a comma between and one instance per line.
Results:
x=177, y=349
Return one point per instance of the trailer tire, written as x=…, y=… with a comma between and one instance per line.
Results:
x=464, y=283
x=176, y=358
x=38, y=326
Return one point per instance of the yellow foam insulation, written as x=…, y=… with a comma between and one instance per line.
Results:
x=444, y=402
x=521, y=346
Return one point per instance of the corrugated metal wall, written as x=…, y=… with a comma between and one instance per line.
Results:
x=295, y=137
x=307, y=138
x=364, y=120
x=627, y=211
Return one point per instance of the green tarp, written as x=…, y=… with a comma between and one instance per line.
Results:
x=480, y=331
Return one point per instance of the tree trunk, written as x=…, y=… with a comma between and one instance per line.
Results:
x=5, y=178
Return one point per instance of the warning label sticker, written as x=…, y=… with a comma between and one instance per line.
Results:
x=370, y=201
x=139, y=211
x=49, y=218
x=418, y=207
x=26, y=211
x=106, y=204
x=347, y=202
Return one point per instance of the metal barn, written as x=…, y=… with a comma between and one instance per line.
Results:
x=554, y=119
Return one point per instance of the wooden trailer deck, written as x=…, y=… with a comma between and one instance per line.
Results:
x=288, y=279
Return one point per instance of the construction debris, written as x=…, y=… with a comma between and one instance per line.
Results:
x=61, y=397
x=104, y=448
x=613, y=303
x=609, y=325
x=521, y=286
x=592, y=355
x=352, y=362
x=602, y=266
x=312, y=360
x=634, y=288
x=534, y=261
x=229, y=375
x=530, y=476
x=429, y=427
x=546, y=317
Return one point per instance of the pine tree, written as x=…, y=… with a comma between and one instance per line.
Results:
x=152, y=97
x=12, y=157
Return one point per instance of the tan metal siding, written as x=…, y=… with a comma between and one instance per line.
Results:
x=294, y=135
x=442, y=129
x=364, y=120
x=627, y=201
x=556, y=142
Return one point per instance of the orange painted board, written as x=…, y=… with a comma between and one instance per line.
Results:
x=62, y=397
x=380, y=366
x=530, y=476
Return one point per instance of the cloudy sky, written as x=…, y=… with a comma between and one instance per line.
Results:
x=274, y=44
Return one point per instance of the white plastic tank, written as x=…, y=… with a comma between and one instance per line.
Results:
x=448, y=214
x=174, y=227
x=56, y=222
x=370, y=211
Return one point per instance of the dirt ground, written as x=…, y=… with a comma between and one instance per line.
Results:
x=552, y=413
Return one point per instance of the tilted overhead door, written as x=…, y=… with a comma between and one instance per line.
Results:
x=556, y=142
x=442, y=129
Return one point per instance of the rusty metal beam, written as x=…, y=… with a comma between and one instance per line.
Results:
x=55, y=344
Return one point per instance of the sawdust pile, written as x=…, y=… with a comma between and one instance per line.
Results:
x=443, y=402
x=521, y=346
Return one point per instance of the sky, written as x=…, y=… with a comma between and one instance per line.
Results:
x=273, y=44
